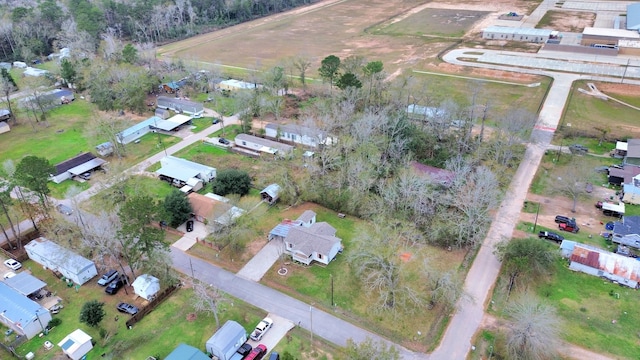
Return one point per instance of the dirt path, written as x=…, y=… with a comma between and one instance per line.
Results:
x=565, y=349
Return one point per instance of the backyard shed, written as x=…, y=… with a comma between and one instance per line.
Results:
x=271, y=193
x=21, y=314
x=226, y=340
x=5, y=114
x=186, y=352
x=55, y=257
x=146, y=286
x=163, y=113
x=76, y=345
x=105, y=149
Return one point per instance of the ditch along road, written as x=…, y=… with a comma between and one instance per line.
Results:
x=457, y=340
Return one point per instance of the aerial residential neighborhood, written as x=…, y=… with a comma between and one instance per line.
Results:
x=319, y=180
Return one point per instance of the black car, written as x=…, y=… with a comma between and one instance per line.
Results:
x=189, y=225
x=244, y=350
x=116, y=284
x=224, y=141
x=564, y=220
x=215, y=121
x=127, y=308
x=551, y=236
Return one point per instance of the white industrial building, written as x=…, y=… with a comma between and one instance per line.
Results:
x=517, y=34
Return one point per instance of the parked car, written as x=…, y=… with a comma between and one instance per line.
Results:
x=116, y=285
x=56, y=308
x=215, y=121
x=578, y=149
x=551, y=236
x=12, y=264
x=86, y=176
x=189, y=225
x=224, y=141
x=257, y=353
x=274, y=356
x=108, y=277
x=244, y=350
x=560, y=219
x=569, y=227
x=8, y=275
x=127, y=308
x=263, y=326
x=64, y=209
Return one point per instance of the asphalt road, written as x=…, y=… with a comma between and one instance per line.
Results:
x=325, y=325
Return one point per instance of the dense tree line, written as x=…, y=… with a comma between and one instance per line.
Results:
x=33, y=29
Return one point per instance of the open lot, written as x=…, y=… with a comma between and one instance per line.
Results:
x=566, y=21
x=432, y=22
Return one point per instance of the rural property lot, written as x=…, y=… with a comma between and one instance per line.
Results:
x=335, y=27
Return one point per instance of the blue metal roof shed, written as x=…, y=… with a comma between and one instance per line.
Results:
x=186, y=352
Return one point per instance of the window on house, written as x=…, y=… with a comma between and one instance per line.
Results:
x=244, y=143
x=289, y=245
x=293, y=137
x=319, y=256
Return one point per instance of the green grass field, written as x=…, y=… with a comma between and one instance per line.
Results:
x=432, y=22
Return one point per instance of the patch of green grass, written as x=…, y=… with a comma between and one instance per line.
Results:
x=433, y=22
x=59, y=191
x=198, y=149
x=530, y=207
x=200, y=124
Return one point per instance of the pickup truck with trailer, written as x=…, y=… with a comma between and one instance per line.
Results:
x=262, y=327
x=550, y=236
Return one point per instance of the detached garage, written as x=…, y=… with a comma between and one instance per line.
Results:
x=53, y=256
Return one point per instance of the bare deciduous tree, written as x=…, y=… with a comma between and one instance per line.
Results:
x=534, y=331
x=207, y=299
x=571, y=180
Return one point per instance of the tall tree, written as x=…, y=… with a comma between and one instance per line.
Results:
x=527, y=256
x=92, y=313
x=571, y=180
x=329, y=68
x=33, y=173
x=7, y=86
x=177, y=208
x=207, y=299
x=68, y=72
x=139, y=238
x=348, y=80
x=302, y=65
x=5, y=204
x=535, y=330
x=129, y=54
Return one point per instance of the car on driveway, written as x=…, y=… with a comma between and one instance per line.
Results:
x=569, y=227
x=189, y=225
x=12, y=264
x=116, y=285
x=8, y=275
x=224, y=141
x=257, y=353
x=127, y=308
x=108, y=277
x=263, y=326
x=64, y=209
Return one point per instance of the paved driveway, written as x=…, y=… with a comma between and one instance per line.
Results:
x=255, y=269
x=190, y=238
x=279, y=329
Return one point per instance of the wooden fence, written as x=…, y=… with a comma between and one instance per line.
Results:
x=152, y=305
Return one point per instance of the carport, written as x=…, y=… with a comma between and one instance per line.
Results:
x=88, y=166
x=25, y=283
x=172, y=123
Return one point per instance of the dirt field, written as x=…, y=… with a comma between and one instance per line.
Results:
x=306, y=32
x=567, y=21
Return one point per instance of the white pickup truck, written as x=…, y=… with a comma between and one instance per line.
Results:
x=262, y=327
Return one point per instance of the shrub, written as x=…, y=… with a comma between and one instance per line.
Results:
x=54, y=322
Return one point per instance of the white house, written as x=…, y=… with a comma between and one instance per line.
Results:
x=146, y=286
x=138, y=130
x=21, y=314
x=263, y=145
x=183, y=170
x=73, y=266
x=76, y=345
x=180, y=106
x=299, y=135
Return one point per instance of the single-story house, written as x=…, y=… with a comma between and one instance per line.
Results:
x=179, y=171
x=424, y=112
x=314, y=243
x=105, y=149
x=622, y=175
x=30, y=71
x=227, y=340
x=270, y=194
x=146, y=286
x=597, y=262
x=180, y=106
x=263, y=145
x=75, y=166
x=138, y=130
x=233, y=85
x=298, y=134
x=633, y=152
x=208, y=207
x=5, y=114
x=440, y=176
x=163, y=113
x=627, y=231
x=186, y=352
x=25, y=283
x=516, y=34
x=21, y=314
x=57, y=258
x=76, y=345
x=630, y=194
x=49, y=99
x=4, y=127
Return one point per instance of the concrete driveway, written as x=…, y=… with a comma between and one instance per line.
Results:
x=279, y=329
x=190, y=238
x=261, y=262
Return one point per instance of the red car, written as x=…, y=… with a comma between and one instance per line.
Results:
x=569, y=227
x=257, y=353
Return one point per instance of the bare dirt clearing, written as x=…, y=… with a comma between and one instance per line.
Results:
x=567, y=21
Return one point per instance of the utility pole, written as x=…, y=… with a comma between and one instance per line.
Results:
x=191, y=266
x=536, y=222
x=332, y=303
x=311, y=322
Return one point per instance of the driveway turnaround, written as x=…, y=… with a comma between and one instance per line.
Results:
x=321, y=323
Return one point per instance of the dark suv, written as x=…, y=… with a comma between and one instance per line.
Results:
x=116, y=284
x=564, y=220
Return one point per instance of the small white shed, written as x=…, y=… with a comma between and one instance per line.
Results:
x=76, y=345
x=146, y=286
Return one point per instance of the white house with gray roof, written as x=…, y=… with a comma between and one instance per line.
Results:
x=299, y=135
x=263, y=145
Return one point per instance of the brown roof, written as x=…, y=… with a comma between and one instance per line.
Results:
x=73, y=162
x=627, y=173
x=207, y=207
x=625, y=267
